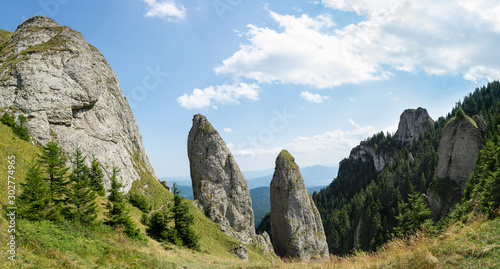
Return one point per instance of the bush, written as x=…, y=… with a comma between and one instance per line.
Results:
x=20, y=129
x=460, y=113
x=7, y=119
x=140, y=202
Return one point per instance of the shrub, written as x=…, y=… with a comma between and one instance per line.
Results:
x=20, y=129
x=140, y=202
x=7, y=119
x=460, y=113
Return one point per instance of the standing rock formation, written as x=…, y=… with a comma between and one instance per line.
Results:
x=458, y=149
x=218, y=184
x=412, y=123
x=69, y=93
x=296, y=225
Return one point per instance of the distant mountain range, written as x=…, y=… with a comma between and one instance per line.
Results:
x=316, y=175
x=315, y=178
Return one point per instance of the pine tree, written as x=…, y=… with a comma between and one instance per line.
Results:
x=157, y=226
x=20, y=128
x=34, y=201
x=80, y=202
x=118, y=215
x=96, y=176
x=412, y=214
x=460, y=113
x=53, y=164
x=8, y=120
x=183, y=221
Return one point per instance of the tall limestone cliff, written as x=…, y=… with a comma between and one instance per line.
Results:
x=368, y=153
x=296, y=225
x=69, y=93
x=412, y=123
x=461, y=140
x=218, y=184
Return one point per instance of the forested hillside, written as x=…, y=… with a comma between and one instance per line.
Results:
x=362, y=209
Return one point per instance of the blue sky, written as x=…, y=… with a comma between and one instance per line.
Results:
x=314, y=77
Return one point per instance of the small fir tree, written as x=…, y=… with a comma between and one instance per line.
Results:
x=157, y=225
x=21, y=128
x=412, y=215
x=96, y=176
x=118, y=215
x=34, y=201
x=8, y=120
x=460, y=113
x=80, y=202
x=53, y=164
x=183, y=222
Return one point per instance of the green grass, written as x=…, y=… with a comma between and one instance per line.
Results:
x=46, y=244
x=289, y=159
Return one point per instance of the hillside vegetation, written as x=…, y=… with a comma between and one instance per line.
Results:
x=47, y=244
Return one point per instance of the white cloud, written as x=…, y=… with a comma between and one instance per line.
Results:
x=228, y=130
x=252, y=152
x=351, y=121
x=337, y=140
x=167, y=9
x=221, y=94
x=437, y=37
x=315, y=98
x=301, y=53
x=333, y=141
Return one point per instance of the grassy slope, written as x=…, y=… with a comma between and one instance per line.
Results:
x=49, y=245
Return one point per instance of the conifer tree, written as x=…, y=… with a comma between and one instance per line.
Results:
x=96, y=176
x=80, y=201
x=20, y=128
x=34, y=201
x=412, y=214
x=118, y=215
x=8, y=120
x=183, y=221
x=53, y=164
x=157, y=226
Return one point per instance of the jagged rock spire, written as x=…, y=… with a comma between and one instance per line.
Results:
x=296, y=225
x=218, y=184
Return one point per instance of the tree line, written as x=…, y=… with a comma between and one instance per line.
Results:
x=57, y=192
x=362, y=209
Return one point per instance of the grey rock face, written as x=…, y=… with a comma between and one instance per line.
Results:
x=295, y=221
x=265, y=241
x=367, y=152
x=69, y=93
x=241, y=252
x=458, y=149
x=218, y=184
x=412, y=123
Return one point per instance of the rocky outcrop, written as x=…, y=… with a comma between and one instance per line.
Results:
x=412, y=123
x=296, y=225
x=368, y=153
x=218, y=184
x=458, y=149
x=69, y=93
